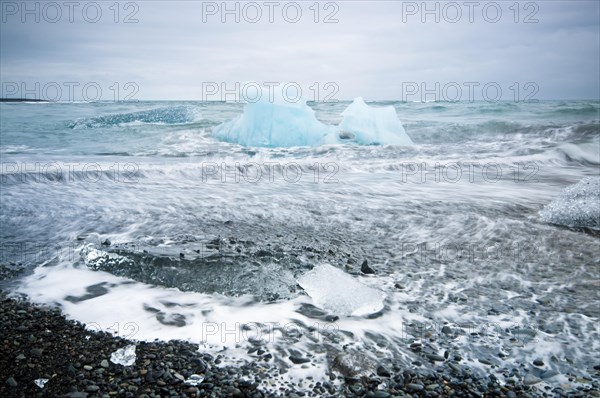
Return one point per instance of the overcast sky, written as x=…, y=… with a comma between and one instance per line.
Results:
x=378, y=50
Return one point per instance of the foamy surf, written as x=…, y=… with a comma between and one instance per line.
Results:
x=174, y=233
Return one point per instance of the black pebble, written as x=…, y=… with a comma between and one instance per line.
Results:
x=298, y=360
x=383, y=371
x=366, y=269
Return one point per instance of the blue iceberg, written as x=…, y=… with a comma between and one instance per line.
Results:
x=367, y=125
x=271, y=119
x=275, y=121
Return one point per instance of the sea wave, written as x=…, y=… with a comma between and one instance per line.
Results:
x=164, y=115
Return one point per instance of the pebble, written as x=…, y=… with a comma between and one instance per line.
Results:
x=365, y=269
x=548, y=374
x=104, y=363
x=436, y=357
x=454, y=367
x=11, y=382
x=357, y=389
x=77, y=394
x=415, y=387
x=383, y=371
x=381, y=394
x=298, y=360
x=530, y=380
x=538, y=362
x=36, y=352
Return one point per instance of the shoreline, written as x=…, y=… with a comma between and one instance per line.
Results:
x=39, y=342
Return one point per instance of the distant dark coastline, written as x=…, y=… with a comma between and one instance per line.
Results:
x=21, y=100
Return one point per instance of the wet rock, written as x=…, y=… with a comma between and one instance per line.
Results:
x=435, y=357
x=414, y=387
x=431, y=387
x=77, y=394
x=36, y=352
x=381, y=394
x=106, y=242
x=11, y=382
x=383, y=371
x=454, y=366
x=298, y=360
x=530, y=380
x=538, y=362
x=365, y=269
x=357, y=389
x=548, y=374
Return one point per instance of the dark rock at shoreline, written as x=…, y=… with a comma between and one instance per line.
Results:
x=383, y=371
x=298, y=360
x=365, y=269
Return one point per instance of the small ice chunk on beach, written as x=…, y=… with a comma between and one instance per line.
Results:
x=41, y=382
x=334, y=290
x=577, y=206
x=124, y=356
x=369, y=125
x=194, y=380
x=274, y=118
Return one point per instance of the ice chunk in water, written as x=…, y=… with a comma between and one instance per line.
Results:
x=368, y=125
x=334, y=290
x=577, y=206
x=273, y=118
x=124, y=356
x=100, y=260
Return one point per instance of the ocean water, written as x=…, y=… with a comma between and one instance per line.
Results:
x=224, y=245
